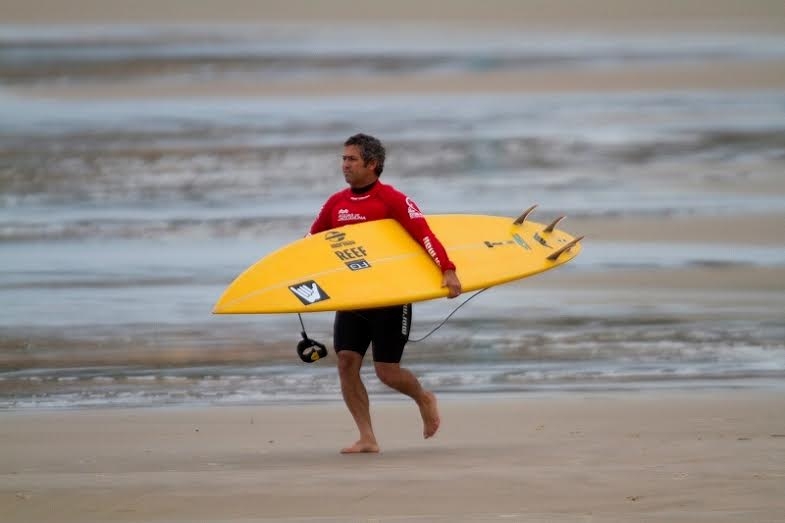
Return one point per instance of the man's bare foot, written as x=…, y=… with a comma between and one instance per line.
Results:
x=430, y=415
x=361, y=447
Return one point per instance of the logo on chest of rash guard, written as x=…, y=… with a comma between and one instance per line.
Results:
x=414, y=212
x=344, y=215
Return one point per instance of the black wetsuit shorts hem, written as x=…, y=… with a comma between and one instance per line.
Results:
x=384, y=329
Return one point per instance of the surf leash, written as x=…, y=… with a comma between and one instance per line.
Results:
x=449, y=316
x=308, y=349
x=311, y=350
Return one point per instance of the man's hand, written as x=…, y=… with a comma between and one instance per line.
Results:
x=453, y=284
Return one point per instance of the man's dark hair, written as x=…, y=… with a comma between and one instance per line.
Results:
x=370, y=149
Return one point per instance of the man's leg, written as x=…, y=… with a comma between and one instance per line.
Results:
x=356, y=398
x=402, y=380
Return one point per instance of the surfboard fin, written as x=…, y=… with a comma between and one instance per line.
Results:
x=522, y=218
x=551, y=226
x=567, y=247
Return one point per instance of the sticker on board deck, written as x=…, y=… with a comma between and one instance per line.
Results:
x=309, y=292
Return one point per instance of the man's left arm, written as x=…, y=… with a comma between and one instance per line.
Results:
x=412, y=219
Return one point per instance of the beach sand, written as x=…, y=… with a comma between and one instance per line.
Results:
x=631, y=15
x=669, y=456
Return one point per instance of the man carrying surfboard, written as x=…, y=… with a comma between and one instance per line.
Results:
x=385, y=329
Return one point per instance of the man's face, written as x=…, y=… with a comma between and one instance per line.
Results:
x=356, y=172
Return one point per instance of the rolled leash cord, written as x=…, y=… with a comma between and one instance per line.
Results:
x=310, y=350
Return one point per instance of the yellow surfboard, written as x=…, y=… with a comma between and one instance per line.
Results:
x=378, y=263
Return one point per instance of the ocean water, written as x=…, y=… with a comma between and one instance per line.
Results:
x=121, y=221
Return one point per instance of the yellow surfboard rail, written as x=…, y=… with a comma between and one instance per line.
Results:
x=378, y=263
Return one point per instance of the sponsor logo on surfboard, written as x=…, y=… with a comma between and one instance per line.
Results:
x=491, y=244
x=521, y=242
x=347, y=243
x=338, y=239
x=334, y=236
x=541, y=240
x=353, y=253
x=309, y=292
x=358, y=265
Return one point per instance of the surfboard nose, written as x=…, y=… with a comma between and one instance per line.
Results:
x=219, y=309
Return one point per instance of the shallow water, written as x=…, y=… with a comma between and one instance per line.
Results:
x=122, y=221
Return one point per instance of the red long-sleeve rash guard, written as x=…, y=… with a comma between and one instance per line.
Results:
x=380, y=202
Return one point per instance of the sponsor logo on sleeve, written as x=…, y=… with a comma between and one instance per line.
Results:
x=431, y=251
x=309, y=292
x=414, y=211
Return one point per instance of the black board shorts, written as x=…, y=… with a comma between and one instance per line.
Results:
x=385, y=329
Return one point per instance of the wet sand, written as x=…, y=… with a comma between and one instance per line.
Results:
x=619, y=15
x=671, y=456
x=720, y=75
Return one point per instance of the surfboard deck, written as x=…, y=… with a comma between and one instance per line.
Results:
x=378, y=263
